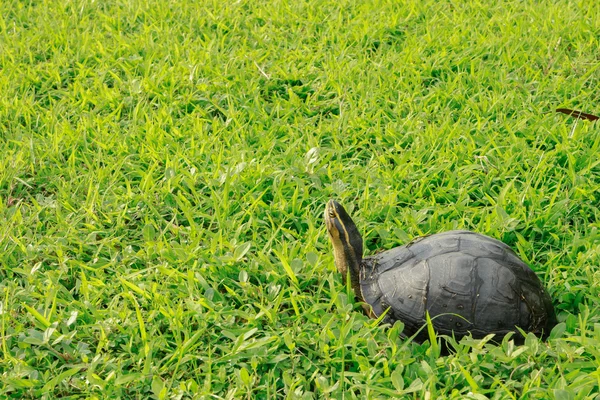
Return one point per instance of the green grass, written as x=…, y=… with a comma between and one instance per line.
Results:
x=165, y=167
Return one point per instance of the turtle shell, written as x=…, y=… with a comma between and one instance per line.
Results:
x=467, y=282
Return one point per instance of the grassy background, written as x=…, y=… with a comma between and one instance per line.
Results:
x=165, y=167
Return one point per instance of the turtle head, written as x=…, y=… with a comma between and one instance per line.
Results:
x=346, y=240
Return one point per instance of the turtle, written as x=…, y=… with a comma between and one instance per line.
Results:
x=469, y=283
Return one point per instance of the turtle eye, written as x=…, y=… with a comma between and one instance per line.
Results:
x=331, y=213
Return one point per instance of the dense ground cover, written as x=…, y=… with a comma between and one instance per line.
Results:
x=165, y=166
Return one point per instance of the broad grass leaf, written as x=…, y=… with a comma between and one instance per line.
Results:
x=241, y=250
x=37, y=316
x=72, y=318
x=532, y=342
x=474, y=386
x=52, y=383
x=286, y=266
x=34, y=337
x=149, y=233
x=558, y=331
x=245, y=376
x=124, y=379
x=397, y=379
x=433, y=340
x=158, y=387
x=571, y=323
x=563, y=394
x=312, y=258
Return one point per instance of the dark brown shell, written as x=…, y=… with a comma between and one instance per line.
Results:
x=480, y=280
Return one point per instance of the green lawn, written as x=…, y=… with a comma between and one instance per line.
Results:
x=165, y=167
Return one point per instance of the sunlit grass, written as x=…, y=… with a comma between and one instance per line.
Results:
x=165, y=167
